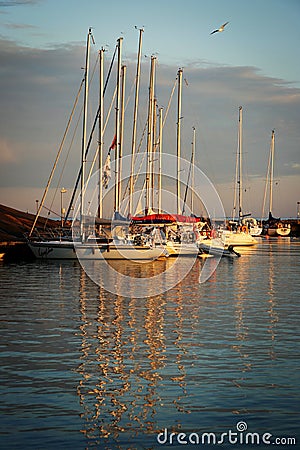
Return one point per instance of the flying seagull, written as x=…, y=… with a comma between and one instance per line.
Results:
x=220, y=29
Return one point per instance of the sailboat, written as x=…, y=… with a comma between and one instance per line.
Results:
x=253, y=226
x=178, y=229
x=237, y=232
x=82, y=244
x=272, y=226
x=60, y=246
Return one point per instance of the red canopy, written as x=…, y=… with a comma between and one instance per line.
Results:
x=165, y=218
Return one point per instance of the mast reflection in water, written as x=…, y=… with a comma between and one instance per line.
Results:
x=125, y=361
x=82, y=368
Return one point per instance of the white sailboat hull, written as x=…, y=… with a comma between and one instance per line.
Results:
x=120, y=252
x=279, y=231
x=70, y=250
x=182, y=249
x=237, y=238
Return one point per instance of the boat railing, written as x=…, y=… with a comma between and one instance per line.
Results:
x=51, y=234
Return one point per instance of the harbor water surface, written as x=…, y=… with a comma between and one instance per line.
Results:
x=82, y=368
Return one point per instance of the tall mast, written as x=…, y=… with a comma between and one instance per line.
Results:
x=239, y=181
x=160, y=158
x=123, y=78
x=179, y=140
x=90, y=138
x=150, y=134
x=154, y=146
x=84, y=130
x=100, y=137
x=190, y=172
x=117, y=147
x=272, y=152
x=193, y=169
x=136, y=102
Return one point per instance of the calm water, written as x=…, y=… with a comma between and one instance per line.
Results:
x=84, y=369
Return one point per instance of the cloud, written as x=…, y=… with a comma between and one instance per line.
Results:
x=20, y=26
x=7, y=153
x=8, y=3
x=294, y=166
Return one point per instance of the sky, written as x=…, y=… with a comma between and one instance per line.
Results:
x=253, y=63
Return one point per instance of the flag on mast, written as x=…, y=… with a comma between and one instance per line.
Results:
x=106, y=176
x=106, y=172
x=113, y=144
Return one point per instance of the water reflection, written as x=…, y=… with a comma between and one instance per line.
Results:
x=182, y=351
x=272, y=304
x=149, y=362
x=189, y=359
x=123, y=355
x=257, y=296
x=125, y=277
x=241, y=329
x=130, y=355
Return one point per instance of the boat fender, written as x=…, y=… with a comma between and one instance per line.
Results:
x=196, y=232
x=244, y=229
x=213, y=233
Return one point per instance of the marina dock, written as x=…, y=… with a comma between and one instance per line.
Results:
x=14, y=224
